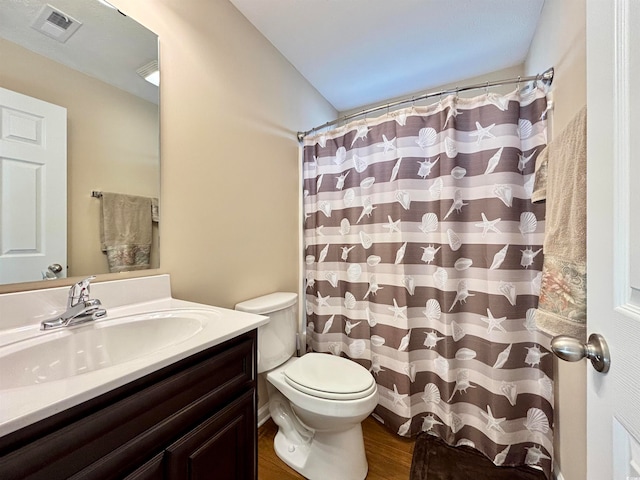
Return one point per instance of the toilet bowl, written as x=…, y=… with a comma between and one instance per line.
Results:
x=320, y=433
x=318, y=400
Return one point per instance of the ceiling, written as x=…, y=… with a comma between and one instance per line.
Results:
x=359, y=52
x=108, y=45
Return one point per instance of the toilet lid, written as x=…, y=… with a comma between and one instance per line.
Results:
x=329, y=376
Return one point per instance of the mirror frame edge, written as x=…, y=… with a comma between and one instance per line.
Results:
x=68, y=281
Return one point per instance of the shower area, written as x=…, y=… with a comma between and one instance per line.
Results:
x=422, y=262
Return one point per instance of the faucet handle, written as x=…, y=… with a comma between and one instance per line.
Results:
x=79, y=292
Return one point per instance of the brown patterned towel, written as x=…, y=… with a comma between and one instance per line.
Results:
x=561, y=182
x=125, y=231
x=433, y=459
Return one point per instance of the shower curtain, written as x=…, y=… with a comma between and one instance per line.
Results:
x=423, y=256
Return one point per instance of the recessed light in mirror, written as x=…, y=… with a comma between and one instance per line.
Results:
x=150, y=72
x=107, y=4
x=153, y=77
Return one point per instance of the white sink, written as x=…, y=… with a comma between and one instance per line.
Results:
x=76, y=351
x=45, y=372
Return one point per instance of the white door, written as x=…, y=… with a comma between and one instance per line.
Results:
x=33, y=187
x=613, y=238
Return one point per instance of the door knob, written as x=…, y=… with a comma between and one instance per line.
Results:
x=571, y=349
x=55, y=268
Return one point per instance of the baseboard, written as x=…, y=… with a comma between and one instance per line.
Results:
x=263, y=414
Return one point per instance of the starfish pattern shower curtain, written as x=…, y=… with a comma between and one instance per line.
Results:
x=423, y=264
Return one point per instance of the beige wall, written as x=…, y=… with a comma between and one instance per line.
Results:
x=560, y=41
x=230, y=108
x=104, y=152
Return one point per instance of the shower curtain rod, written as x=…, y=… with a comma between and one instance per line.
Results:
x=546, y=77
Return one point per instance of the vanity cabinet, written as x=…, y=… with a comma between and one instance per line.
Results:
x=195, y=419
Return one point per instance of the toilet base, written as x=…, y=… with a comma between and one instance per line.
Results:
x=317, y=437
x=328, y=455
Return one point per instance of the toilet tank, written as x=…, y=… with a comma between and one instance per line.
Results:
x=276, y=339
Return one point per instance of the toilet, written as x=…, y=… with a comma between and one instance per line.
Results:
x=318, y=400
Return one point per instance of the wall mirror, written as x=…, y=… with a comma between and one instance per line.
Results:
x=92, y=60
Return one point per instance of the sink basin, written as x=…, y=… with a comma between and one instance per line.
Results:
x=45, y=372
x=76, y=351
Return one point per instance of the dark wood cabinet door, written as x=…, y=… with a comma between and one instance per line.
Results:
x=221, y=448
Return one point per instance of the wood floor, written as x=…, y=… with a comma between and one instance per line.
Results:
x=389, y=455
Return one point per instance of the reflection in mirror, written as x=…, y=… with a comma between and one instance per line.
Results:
x=86, y=61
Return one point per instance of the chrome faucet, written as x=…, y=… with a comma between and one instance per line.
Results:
x=80, y=308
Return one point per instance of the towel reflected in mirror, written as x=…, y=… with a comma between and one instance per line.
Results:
x=126, y=231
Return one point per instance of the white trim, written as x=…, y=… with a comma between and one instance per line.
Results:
x=263, y=415
x=302, y=327
x=621, y=191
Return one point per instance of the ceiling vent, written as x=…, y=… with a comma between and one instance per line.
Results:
x=56, y=24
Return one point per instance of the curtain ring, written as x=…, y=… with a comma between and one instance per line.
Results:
x=518, y=85
x=486, y=88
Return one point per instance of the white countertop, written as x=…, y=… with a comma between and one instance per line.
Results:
x=25, y=405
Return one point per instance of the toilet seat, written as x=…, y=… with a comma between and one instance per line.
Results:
x=330, y=377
